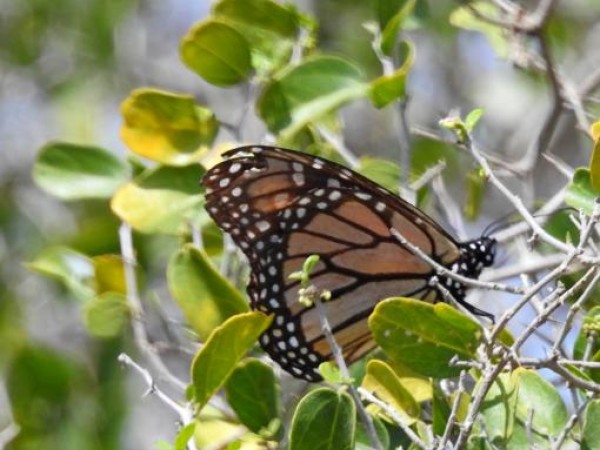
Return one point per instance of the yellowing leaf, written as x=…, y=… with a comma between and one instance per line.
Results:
x=109, y=274
x=206, y=298
x=167, y=128
x=385, y=384
x=161, y=200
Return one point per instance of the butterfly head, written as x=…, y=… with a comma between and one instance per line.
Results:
x=477, y=254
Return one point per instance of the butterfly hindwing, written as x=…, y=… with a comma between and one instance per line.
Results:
x=281, y=206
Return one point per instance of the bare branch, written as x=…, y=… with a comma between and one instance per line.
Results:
x=139, y=330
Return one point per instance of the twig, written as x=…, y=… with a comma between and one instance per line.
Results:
x=453, y=214
x=444, y=271
x=427, y=176
x=489, y=375
x=557, y=445
x=8, y=433
x=515, y=200
x=139, y=331
x=553, y=305
x=395, y=416
x=572, y=312
x=550, y=276
x=349, y=157
x=341, y=363
x=530, y=266
x=454, y=411
x=186, y=414
x=572, y=379
x=544, y=136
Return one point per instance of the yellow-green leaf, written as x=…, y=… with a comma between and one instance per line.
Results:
x=227, y=344
x=205, y=297
x=595, y=165
x=161, y=200
x=389, y=88
x=109, y=274
x=216, y=52
x=385, y=384
x=106, y=315
x=422, y=336
x=167, y=128
x=580, y=193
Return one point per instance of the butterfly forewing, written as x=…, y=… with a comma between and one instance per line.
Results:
x=281, y=206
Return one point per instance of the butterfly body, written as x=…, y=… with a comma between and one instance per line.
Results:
x=281, y=206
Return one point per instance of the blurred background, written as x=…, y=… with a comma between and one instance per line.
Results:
x=65, y=67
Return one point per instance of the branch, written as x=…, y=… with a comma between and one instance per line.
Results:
x=444, y=271
x=186, y=414
x=139, y=331
x=395, y=416
x=454, y=411
x=515, y=200
x=341, y=363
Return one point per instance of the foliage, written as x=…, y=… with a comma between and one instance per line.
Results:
x=300, y=91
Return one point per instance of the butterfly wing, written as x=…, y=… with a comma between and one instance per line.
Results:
x=281, y=206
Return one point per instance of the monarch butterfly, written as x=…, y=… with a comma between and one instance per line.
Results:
x=281, y=206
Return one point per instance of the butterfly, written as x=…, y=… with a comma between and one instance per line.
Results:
x=280, y=206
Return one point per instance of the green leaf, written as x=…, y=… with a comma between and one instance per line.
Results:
x=39, y=383
x=324, y=420
x=253, y=393
x=562, y=227
x=591, y=426
x=165, y=127
x=427, y=153
x=395, y=24
x=227, y=344
x=331, y=373
x=308, y=91
x=184, y=436
x=205, y=297
x=389, y=88
x=476, y=183
x=266, y=14
x=363, y=440
x=580, y=193
x=462, y=17
x=473, y=118
x=381, y=171
x=216, y=52
x=498, y=409
x=441, y=411
x=385, y=384
x=592, y=316
x=270, y=28
x=74, y=270
x=422, y=336
x=106, y=315
x=535, y=393
x=75, y=172
x=161, y=200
